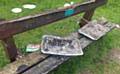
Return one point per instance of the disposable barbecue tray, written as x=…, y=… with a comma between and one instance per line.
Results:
x=60, y=46
x=94, y=30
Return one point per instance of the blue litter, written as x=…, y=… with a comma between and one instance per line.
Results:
x=69, y=12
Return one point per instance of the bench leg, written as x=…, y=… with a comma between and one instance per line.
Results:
x=10, y=48
x=88, y=16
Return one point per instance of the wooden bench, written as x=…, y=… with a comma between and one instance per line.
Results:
x=40, y=64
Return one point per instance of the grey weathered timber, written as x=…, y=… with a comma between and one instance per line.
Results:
x=28, y=60
x=47, y=65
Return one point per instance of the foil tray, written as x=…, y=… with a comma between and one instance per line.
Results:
x=60, y=46
x=94, y=30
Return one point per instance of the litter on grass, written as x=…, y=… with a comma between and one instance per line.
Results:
x=69, y=12
x=72, y=3
x=16, y=10
x=67, y=5
x=60, y=46
x=29, y=6
x=32, y=47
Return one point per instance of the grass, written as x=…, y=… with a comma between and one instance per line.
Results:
x=95, y=54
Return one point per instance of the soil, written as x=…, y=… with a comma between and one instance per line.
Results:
x=115, y=55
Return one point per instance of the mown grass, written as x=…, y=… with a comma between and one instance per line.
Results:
x=94, y=54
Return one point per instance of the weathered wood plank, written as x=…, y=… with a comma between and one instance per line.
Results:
x=28, y=60
x=47, y=65
x=9, y=28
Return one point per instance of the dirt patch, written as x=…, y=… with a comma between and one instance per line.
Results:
x=110, y=64
x=115, y=55
x=87, y=72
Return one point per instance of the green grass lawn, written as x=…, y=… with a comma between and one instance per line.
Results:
x=95, y=54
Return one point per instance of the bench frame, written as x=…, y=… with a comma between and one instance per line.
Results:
x=10, y=28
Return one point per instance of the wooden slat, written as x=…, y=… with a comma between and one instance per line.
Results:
x=9, y=28
x=10, y=48
x=28, y=60
x=47, y=65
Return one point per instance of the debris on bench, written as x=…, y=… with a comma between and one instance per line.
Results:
x=61, y=46
x=94, y=30
x=54, y=61
x=37, y=63
x=32, y=47
x=46, y=66
x=70, y=46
